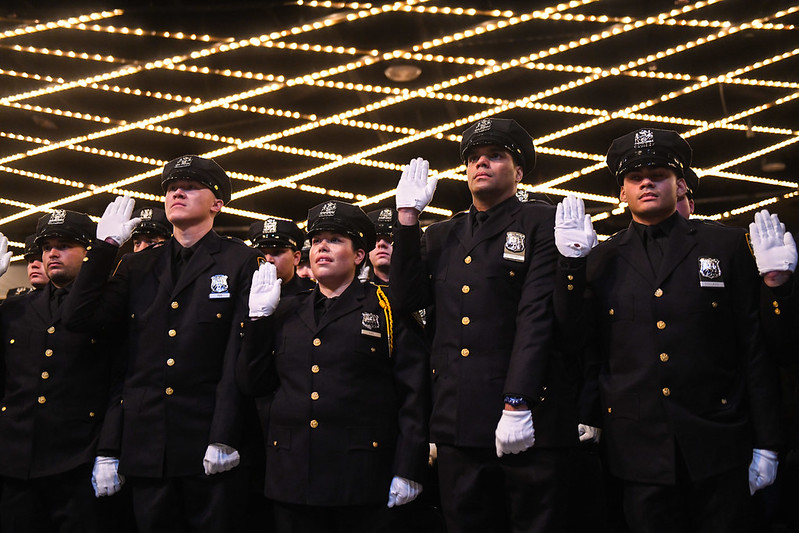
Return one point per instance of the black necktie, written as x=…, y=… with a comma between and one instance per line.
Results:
x=322, y=307
x=479, y=219
x=653, y=245
x=55, y=300
x=184, y=256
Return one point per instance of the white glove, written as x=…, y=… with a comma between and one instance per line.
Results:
x=431, y=458
x=363, y=275
x=403, y=491
x=5, y=255
x=415, y=188
x=116, y=222
x=774, y=248
x=106, y=479
x=514, y=432
x=588, y=433
x=762, y=469
x=265, y=291
x=220, y=458
x=574, y=233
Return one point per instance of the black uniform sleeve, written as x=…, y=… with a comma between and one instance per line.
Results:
x=255, y=372
x=410, y=279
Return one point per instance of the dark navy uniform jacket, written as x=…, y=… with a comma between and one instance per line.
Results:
x=179, y=393
x=493, y=326
x=347, y=414
x=54, y=393
x=675, y=356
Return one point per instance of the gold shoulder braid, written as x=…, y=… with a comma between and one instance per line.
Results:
x=384, y=303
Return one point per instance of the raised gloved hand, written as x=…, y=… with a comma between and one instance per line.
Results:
x=588, y=433
x=574, y=233
x=774, y=248
x=415, y=188
x=5, y=255
x=106, y=479
x=762, y=469
x=264, y=291
x=220, y=458
x=514, y=432
x=403, y=491
x=116, y=223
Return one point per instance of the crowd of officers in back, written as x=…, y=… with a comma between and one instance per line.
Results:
x=459, y=396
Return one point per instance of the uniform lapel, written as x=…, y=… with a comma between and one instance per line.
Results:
x=495, y=224
x=631, y=249
x=40, y=303
x=681, y=240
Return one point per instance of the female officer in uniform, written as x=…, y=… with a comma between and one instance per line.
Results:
x=347, y=431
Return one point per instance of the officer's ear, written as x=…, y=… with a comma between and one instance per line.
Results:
x=622, y=195
x=216, y=207
x=297, y=255
x=682, y=187
x=519, y=173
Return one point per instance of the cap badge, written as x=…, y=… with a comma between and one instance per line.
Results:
x=57, y=216
x=522, y=195
x=709, y=270
x=270, y=226
x=219, y=287
x=146, y=214
x=183, y=162
x=384, y=216
x=514, y=246
x=370, y=323
x=483, y=125
x=328, y=210
x=644, y=139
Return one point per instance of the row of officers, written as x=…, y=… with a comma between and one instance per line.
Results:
x=556, y=383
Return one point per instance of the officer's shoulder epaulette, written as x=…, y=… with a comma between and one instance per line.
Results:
x=234, y=239
x=459, y=214
x=616, y=235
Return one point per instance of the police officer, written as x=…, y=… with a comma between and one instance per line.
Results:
x=152, y=230
x=35, y=269
x=54, y=392
x=683, y=389
x=380, y=257
x=685, y=201
x=501, y=414
x=280, y=241
x=183, y=305
x=304, y=267
x=347, y=428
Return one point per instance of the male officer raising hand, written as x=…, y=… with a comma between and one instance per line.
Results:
x=183, y=305
x=501, y=414
x=678, y=379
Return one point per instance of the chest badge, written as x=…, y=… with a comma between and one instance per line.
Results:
x=370, y=325
x=219, y=287
x=710, y=272
x=514, y=246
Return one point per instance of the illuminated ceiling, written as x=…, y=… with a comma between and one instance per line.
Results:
x=293, y=101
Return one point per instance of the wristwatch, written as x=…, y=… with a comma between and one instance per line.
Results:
x=515, y=401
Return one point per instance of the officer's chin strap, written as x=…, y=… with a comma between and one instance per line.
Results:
x=384, y=303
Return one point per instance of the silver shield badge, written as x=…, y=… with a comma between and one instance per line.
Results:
x=370, y=324
x=146, y=214
x=270, y=226
x=483, y=125
x=183, y=162
x=514, y=246
x=328, y=210
x=710, y=272
x=219, y=286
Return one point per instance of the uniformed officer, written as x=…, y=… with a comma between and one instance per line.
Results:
x=152, y=230
x=35, y=269
x=682, y=386
x=502, y=412
x=280, y=241
x=304, y=267
x=347, y=428
x=776, y=255
x=183, y=305
x=380, y=257
x=54, y=392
